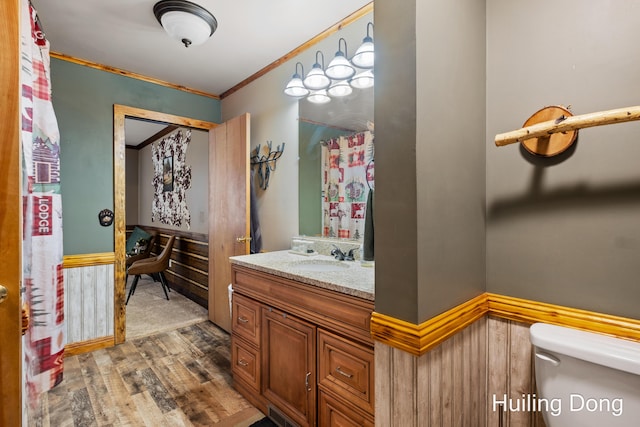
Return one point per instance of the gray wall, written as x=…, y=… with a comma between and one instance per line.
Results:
x=566, y=231
x=131, y=182
x=430, y=172
x=83, y=99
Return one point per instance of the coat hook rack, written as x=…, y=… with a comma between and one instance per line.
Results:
x=266, y=163
x=553, y=129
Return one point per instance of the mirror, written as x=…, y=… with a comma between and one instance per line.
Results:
x=319, y=123
x=342, y=116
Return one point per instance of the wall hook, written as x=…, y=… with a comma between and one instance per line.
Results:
x=266, y=163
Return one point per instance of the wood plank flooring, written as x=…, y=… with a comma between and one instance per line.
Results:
x=176, y=378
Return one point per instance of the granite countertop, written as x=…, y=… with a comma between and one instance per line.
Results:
x=347, y=277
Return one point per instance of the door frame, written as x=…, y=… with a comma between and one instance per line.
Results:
x=120, y=113
x=10, y=216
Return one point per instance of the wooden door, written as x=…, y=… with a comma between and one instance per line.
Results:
x=228, y=210
x=288, y=350
x=10, y=223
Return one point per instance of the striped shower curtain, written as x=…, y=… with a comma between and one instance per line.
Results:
x=347, y=177
x=42, y=279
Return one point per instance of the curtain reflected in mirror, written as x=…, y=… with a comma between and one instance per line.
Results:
x=330, y=200
x=347, y=178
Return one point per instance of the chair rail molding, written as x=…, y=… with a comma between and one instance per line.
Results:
x=418, y=339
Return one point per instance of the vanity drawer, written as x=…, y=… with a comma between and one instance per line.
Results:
x=245, y=363
x=334, y=413
x=245, y=320
x=346, y=368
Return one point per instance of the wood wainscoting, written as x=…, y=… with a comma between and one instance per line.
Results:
x=458, y=367
x=443, y=387
x=88, y=301
x=189, y=269
x=510, y=373
x=460, y=382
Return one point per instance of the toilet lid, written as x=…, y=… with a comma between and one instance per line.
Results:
x=596, y=348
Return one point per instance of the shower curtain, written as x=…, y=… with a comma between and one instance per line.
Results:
x=347, y=177
x=42, y=277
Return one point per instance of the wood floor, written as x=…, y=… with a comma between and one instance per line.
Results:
x=175, y=378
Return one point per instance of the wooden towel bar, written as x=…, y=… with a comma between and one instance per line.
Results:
x=565, y=124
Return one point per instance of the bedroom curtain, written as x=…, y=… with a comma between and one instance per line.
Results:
x=347, y=177
x=42, y=279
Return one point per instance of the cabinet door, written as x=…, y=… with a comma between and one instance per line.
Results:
x=289, y=365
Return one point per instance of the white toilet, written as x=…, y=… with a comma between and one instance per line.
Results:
x=585, y=379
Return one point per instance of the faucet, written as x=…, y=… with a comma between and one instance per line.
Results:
x=341, y=256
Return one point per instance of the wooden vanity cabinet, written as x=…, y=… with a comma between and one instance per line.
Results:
x=302, y=354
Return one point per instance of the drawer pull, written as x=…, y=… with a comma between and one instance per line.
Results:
x=243, y=319
x=343, y=373
x=306, y=381
x=243, y=362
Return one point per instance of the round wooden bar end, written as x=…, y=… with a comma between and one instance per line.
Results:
x=555, y=143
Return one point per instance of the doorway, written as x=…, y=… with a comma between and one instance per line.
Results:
x=120, y=113
x=179, y=211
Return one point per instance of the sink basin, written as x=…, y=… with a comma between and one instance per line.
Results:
x=319, y=265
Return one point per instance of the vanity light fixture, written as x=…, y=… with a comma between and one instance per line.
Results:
x=319, y=97
x=340, y=88
x=362, y=80
x=316, y=78
x=185, y=21
x=364, y=56
x=295, y=86
x=340, y=68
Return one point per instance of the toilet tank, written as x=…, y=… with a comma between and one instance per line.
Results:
x=585, y=379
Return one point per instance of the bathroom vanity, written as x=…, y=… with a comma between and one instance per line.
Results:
x=301, y=347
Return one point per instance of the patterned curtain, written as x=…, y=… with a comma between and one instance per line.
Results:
x=347, y=176
x=42, y=229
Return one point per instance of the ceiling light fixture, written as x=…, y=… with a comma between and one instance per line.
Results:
x=316, y=78
x=185, y=21
x=363, y=80
x=364, y=56
x=340, y=68
x=319, y=97
x=295, y=86
x=340, y=88
x=340, y=77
